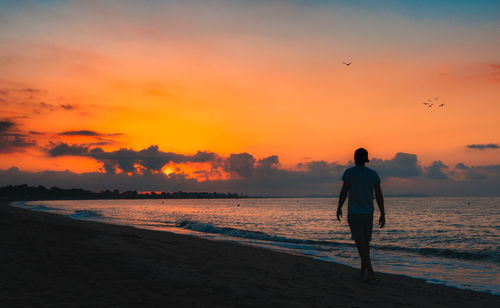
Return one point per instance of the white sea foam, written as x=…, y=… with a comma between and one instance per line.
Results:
x=85, y=214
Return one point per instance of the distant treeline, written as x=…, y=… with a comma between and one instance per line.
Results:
x=25, y=192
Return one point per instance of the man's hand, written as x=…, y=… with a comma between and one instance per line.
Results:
x=381, y=221
x=342, y=197
x=380, y=202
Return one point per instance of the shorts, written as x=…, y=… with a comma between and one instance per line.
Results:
x=361, y=226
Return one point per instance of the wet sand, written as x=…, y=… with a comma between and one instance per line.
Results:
x=47, y=260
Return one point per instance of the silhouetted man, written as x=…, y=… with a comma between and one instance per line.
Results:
x=360, y=182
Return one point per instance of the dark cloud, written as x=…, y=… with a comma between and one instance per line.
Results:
x=403, y=165
x=310, y=180
x=138, y=170
x=99, y=143
x=242, y=164
x=202, y=156
x=483, y=146
x=318, y=172
x=122, y=158
x=321, y=170
x=88, y=133
x=80, y=133
x=491, y=172
x=32, y=132
x=63, y=149
x=461, y=166
x=464, y=172
x=435, y=171
x=6, y=125
x=152, y=159
x=14, y=144
x=267, y=166
x=11, y=140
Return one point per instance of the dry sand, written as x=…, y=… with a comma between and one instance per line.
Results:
x=47, y=260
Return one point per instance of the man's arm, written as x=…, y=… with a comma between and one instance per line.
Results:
x=342, y=197
x=380, y=202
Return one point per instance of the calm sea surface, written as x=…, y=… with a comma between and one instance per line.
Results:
x=451, y=241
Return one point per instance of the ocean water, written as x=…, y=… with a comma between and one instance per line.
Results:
x=450, y=241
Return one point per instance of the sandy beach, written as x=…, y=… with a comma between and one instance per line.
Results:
x=49, y=260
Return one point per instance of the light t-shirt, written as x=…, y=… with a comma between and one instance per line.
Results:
x=361, y=182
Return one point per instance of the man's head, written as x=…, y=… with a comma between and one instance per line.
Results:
x=361, y=157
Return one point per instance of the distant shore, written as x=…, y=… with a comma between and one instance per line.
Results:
x=27, y=193
x=48, y=260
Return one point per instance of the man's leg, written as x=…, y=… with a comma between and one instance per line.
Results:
x=369, y=268
x=361, y=257
x=361, y=227
x=364, y=253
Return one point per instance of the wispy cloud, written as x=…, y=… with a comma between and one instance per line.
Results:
x=483, y=146
x=31, y=101
x=80, y=133
x=33, y=90
x=36, y=133
x=67, y=106
x=11, y=139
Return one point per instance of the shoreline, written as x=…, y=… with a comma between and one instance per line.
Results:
x=48, y=259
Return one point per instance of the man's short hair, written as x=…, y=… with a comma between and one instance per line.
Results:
x=361, y=155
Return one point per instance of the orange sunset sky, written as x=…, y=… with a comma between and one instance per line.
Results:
x=260, y=77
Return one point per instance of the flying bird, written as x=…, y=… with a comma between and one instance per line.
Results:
x=431, y=101
x=347, y=63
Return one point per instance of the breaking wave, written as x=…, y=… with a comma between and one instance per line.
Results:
x=328, y=245
x=445, y=252
x=84, y=214
x=248, y=234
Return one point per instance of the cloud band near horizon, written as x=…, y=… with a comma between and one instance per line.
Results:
x=142, y=170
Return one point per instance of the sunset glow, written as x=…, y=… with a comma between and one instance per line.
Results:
x=232, y=77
